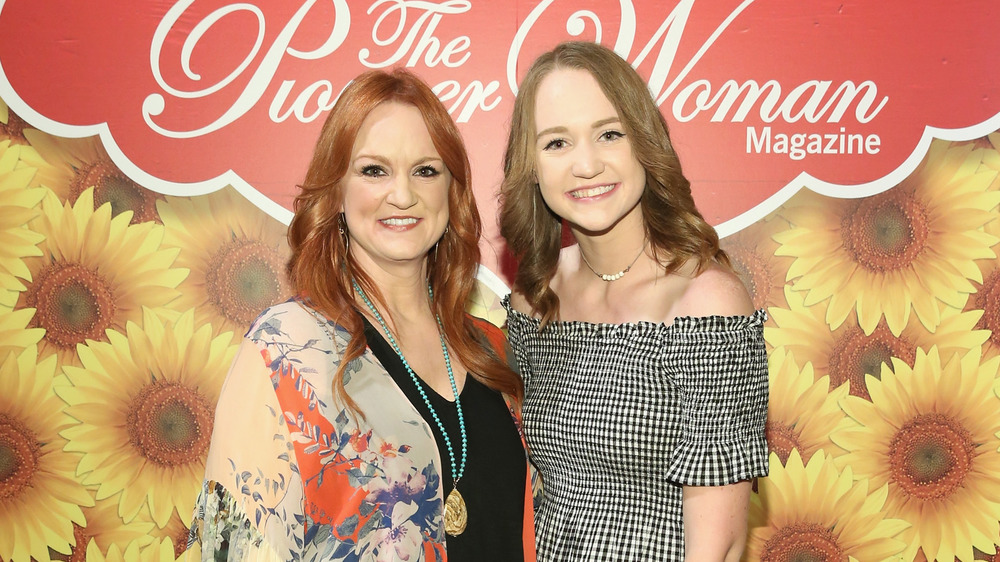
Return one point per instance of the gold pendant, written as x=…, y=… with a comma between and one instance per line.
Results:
x=456, y=517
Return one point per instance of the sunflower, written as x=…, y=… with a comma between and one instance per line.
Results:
x=19, y=202
x=76, y=165
x=15, y=335
x=131, y=553
x=145, y=403
x=847, y=354
x=986, y=301
x=901, y=250
x=812, y=511
x=104, y=529
x=800, y=420
x=174, y=532
x=751, y=252
x=236, y=254
x=11, y=126
x=95, y=273
x=39, y=499
x=991, y=158
x=930, y=434
x=980, y=556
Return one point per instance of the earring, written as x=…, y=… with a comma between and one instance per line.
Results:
x=342, y=229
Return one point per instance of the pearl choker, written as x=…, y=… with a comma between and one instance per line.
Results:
x=609, y=277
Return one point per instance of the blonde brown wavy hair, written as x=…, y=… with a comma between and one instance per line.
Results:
x=674, y=227
x=321, y=269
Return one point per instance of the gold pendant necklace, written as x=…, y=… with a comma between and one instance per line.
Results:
x=456, y=517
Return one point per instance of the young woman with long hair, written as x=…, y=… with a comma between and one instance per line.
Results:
x=643, y=360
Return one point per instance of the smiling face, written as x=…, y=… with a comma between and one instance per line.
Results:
x=587, y=171
x=396, y=189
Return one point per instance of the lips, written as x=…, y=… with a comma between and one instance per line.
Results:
x=594, y=191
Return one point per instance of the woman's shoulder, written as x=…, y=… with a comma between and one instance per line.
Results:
x=292, y=320
x=714, y=291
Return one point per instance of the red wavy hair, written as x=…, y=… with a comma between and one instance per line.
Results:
x=322, y=269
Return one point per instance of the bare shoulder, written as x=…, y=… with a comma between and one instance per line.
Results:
x=716, y=291
x=519, y=303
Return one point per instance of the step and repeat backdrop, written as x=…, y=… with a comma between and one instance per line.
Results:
x=847, y=151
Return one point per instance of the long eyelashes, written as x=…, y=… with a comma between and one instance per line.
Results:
x=610, y=135
x=373, y=170
x=555, y=144
x=427, y=172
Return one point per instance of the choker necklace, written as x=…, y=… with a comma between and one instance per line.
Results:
x=456, y=516
x=609, y=277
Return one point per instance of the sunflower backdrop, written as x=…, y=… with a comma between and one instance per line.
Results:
x=121, y=308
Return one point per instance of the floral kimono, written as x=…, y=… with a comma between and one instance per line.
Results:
x=293, y=475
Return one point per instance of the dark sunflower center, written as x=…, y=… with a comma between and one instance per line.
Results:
x=169, y=423
x=803, y=542
x=930, y=456
x=72, y=302
x=856, y=355
x=988, y=300
x=246, y=279
x=14, y=128
x=180, y=539
x=112, y=186
x=886, y=232
x=78, y=553
x=19, y=453
x=781, y=439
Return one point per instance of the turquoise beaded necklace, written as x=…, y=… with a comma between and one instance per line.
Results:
x=455, y=513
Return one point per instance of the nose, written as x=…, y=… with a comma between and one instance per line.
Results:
x=401, y=194
x=587, y=162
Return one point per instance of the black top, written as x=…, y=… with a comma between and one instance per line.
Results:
x=494, y=478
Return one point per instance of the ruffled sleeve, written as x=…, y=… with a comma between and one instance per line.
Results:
x=517, y=325
x=720, y=364
x=250, y=505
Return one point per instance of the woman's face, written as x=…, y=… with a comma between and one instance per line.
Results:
x=395, y=190
x=586, y=169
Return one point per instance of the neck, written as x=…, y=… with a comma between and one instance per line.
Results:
x=612, y=250
x=403, y=288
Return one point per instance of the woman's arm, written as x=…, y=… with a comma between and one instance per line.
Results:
x=715, y=517
x=715, y=522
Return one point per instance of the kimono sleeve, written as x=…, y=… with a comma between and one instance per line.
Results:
x=251, y=502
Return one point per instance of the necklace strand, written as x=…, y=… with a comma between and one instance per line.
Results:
x=456, y=475
x=609, y=277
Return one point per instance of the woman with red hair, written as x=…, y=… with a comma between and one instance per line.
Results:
x=370, y=418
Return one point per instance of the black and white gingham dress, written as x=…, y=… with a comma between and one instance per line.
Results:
x=619, y=417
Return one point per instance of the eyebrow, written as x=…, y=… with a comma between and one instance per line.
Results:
x=561, y=129
x=384, y=160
